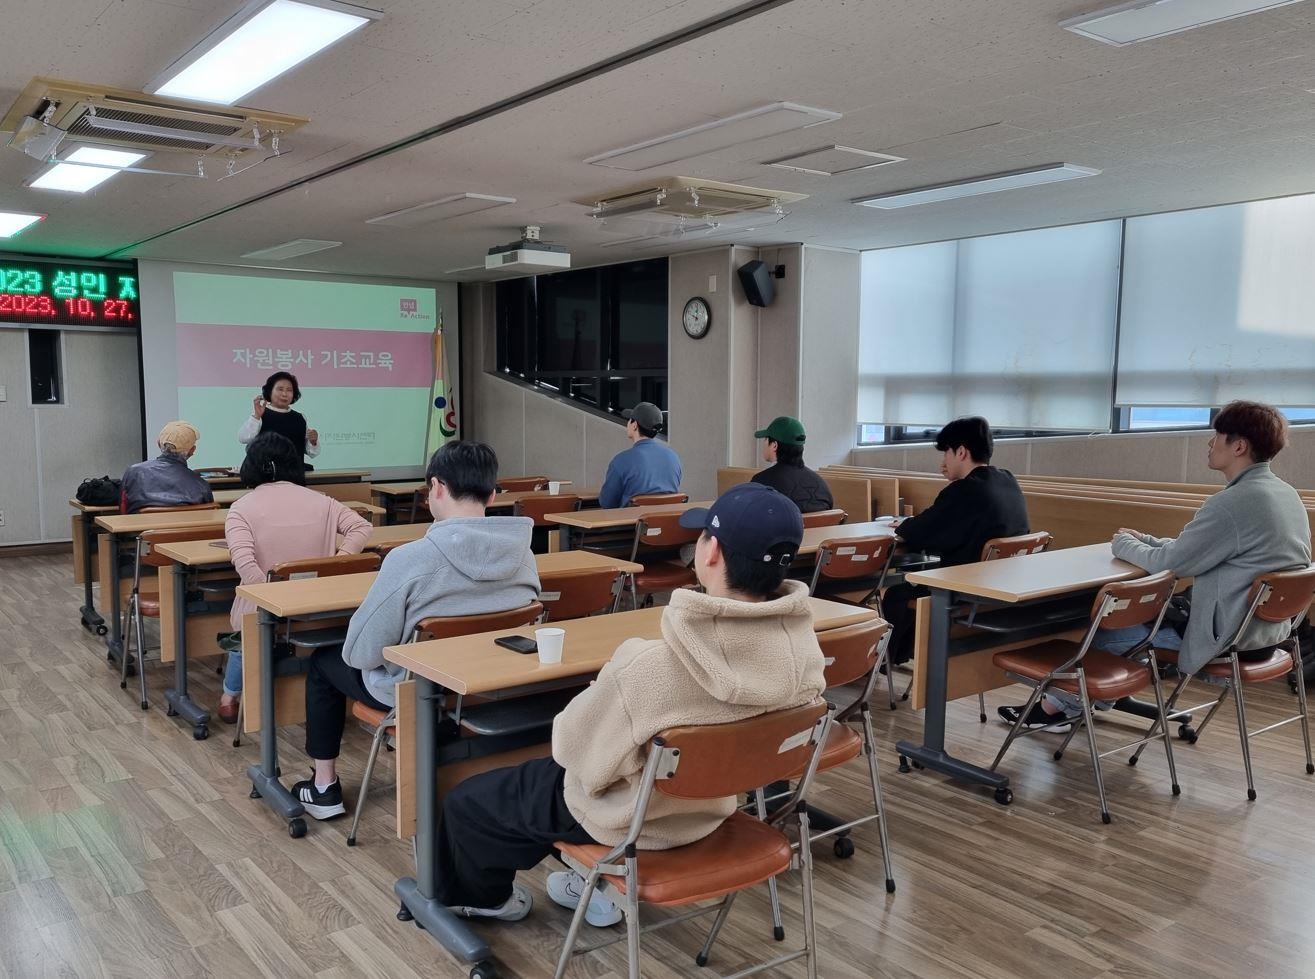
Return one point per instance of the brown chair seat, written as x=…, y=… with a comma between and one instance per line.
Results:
x=1109, y=677
x=149, y=603
x=740, y=853
x=1278, y=664
x=843, y=745
x=367, y=714
x=664, y=576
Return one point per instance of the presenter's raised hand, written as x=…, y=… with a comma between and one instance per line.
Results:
x=312, y=436
x=258, y=406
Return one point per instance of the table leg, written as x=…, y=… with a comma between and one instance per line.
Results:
x=931, y=752
x=114, y=644
x=417, y=893
x=176, y=696
x=565, y=540
x=264, y=777
x=91, y=619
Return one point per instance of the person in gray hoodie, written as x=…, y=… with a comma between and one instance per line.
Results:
x=466, y=564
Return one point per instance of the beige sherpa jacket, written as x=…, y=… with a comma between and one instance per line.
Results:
x=718, y=660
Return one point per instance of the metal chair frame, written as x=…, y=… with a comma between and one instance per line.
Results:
x=641, y=533
x=830, y=549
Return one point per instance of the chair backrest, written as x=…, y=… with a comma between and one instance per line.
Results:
x=998, y=548
x=1283, y=595
x=850, y=652
x=447, y=626
x=383, y=549
x=522, y=484
x=659, y=499
x=575, y=594
x=1121, y=604
x=824, y=518
x=147, y=541
x=535, y=507
x=662, y=531
x=716, y=760
x=181, y=508
x=854, y=557
x=325, y=567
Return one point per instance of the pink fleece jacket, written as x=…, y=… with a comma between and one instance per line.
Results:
x=282, y=521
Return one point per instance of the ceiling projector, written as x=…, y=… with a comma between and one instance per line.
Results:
x=529, y=254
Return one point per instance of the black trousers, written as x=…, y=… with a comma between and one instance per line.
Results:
x=329, y=682
x=497, y=823
x=895, y=610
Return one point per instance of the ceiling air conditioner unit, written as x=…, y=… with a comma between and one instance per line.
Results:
x=50, y=110
x=683, y=206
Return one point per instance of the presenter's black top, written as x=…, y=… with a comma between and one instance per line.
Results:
x=291, y=424
x=796, y=481
x=985, y=504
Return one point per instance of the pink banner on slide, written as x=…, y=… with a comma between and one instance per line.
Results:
x=243, y=356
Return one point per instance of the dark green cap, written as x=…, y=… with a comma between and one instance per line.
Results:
x=786, y=430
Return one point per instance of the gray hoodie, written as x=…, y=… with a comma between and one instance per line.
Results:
x=463, y=566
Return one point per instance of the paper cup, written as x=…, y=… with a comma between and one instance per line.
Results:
x=554, y=488
x=550, y=644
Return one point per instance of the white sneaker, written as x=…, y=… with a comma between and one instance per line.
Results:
x=515, y=909
x=566, y=887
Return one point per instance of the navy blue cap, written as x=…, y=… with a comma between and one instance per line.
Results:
x=751, y=520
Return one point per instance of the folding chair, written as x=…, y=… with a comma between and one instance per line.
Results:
x=537, y=508
x=657, y=543
x=824, y=518
x=436, y=627
x=711, y=762
x=1089, y=672
x=143, y=605
x=658, y=499
x=522, y=484
x=1282, y=596
x=576, y=594
x=852, y=560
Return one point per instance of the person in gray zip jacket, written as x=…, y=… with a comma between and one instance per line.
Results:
x=1254, y=525
x=466, y=564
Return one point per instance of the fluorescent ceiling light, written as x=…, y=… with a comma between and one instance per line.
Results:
x=830, y=161
x=743, y=127
x=101, y=165
x=13, y=222
x=256, y=45
x=1048, y=174
x=452, y=206
x=1145, y=20
x=291, y=249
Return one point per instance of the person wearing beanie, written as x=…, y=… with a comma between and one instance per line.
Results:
x=166, y=480
x=784, y=445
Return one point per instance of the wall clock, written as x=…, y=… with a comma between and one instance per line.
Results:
x=697, y=318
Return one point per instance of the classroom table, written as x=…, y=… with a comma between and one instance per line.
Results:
x=503, y=501
x=475, y=665
x=316, y=477
x=578, y=525
x=321, y=598
x=1018, y=581
x=84, y=569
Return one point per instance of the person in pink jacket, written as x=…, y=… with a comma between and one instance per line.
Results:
x=279, y=520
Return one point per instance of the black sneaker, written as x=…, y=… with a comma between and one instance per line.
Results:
x=321, y=805
x=1037, y=719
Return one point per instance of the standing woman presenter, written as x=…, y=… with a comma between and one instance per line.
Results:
x=272, y=411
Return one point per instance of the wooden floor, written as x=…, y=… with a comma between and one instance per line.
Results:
x=128, y=849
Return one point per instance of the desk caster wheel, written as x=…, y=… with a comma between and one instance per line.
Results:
x=1004, y=796
x=485, y=970
x=904, y=765
x=297, y=828
x=404, y=913
x=102, y=630
x=200, y=732
x=844, y=847
x=1187, y=733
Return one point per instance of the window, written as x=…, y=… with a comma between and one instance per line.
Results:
x=1299, y=416
x=596, y=336
x=1147, y=418
x=43, y=364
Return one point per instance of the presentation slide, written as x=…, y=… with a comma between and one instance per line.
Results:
x=363, y=355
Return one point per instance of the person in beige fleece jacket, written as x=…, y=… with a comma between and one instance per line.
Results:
x=744, y=647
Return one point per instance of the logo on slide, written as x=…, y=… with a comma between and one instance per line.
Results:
x=409, y=309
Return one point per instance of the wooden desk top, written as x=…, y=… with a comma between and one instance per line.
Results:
x=227, y=497
x=135, y=523
x=620, y=517
x=473, y=664
x=1032, y=576
x=313, y=477
x=506, y=500
x=346, y=592
x=85, y=508
x=813, y=536
x=407, y=488
x=201, y=553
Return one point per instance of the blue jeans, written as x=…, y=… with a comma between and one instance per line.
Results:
x=233, y=673
x=1119, y=642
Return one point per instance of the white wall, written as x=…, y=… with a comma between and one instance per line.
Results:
x=47, y=450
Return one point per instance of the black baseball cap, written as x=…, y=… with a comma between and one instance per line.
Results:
x=646, y=415
x=751, y=520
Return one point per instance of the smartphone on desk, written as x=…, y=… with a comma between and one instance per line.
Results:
x=518, y=644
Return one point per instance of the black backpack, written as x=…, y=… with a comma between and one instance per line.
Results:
x=99, y=491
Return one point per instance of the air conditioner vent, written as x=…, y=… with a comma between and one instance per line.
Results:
x=81, y=125
x=686, y=198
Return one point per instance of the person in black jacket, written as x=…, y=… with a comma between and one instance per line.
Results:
x=784, y=446
x=981, y=502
